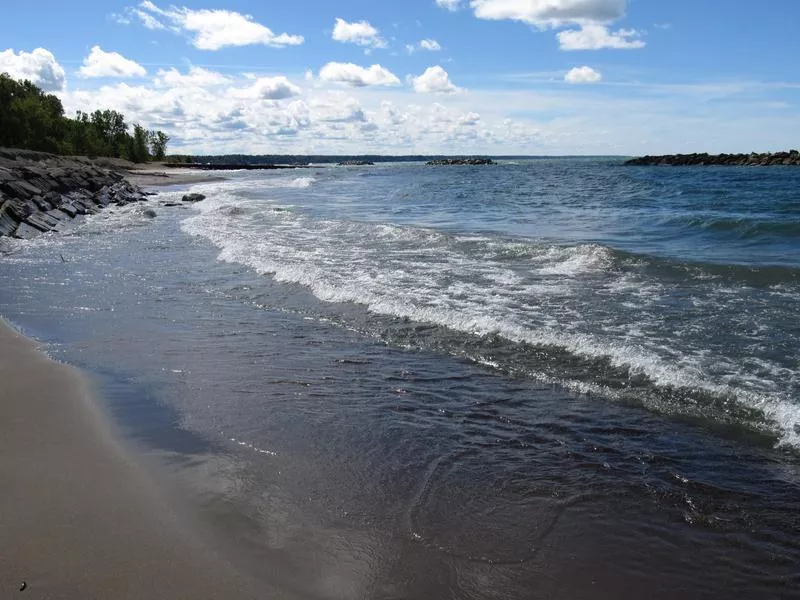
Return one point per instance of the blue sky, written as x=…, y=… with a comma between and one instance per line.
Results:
x=425, y=76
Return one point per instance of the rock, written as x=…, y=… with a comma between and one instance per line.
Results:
x=21, y=189
x=69, y=209
x=40, y=191
x=356, y=163
x=26, y=232
x=461, y=161
x=149, y=213
x=42, y=221
x=791, y=158
x=193, y=198
x=7, y=223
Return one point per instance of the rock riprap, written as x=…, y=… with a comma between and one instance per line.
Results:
x=790, y=158
x=440, y=162
x=39, y=192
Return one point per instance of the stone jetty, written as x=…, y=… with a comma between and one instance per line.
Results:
x=40, y=192
x=460, y=161
x=790, y=158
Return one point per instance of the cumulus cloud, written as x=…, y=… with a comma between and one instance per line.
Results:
x=582, y=75
x=357, y=76
x=430, y=45
x=550, y=13
x=452, y=5
x=268, y=88
x=213, y=28
x=196, y=77
x=358, y=32
x=109, y=64
x=39, y=66
x=435, y=80
x=337, y=108
x=597, y=37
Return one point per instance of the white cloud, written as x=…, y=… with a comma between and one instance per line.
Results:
x=337, y=108
x=357, y=76
x=596, y=37
x=109, y=64
x=452, y=5
x=359, y=32
x=430, y=45
x=427, y=44
x=196, y=77
x=550, y=13
x=148, y=20
x=268, y=88
x=39, y=66
x=215, y=29
x=582, y=75
x=434, y=80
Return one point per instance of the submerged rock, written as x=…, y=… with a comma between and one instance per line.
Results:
x=193, y=197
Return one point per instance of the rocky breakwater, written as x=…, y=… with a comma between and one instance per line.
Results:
x=41, y=192
x=460, y=161
x=790, y=158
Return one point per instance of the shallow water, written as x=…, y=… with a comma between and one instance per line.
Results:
x=547, y=379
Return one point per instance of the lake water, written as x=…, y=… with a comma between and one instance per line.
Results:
x=558, y=378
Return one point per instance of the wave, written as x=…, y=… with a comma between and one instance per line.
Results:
x=744, y=227
x=585, y=316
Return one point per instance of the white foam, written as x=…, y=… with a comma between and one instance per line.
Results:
x=525, y=292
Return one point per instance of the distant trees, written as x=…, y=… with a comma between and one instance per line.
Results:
x=31, y=119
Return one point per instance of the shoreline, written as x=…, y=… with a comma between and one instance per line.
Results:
x=147, y=178
x=79, y=518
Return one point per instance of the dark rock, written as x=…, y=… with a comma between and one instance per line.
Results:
x=26, y=232
x=791, y=158
x=7, y=223
x=40, y=191
x=149, y=213
x=41, y=203
x=20, y=209
x=460, y=161
x=68, y=209
x=193, y=197
x=42, y=222
x=356, y=163
x=20, y=188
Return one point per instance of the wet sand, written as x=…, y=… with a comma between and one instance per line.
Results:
x=78, y=517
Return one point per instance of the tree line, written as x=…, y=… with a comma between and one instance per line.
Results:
x=34, y=120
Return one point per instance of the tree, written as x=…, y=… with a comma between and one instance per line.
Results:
x=31, y=119
x=158, y=144
x=139, y=150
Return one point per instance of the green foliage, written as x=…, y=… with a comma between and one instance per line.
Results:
x=31, y=119
x=158, y=144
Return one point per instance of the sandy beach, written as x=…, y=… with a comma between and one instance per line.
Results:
x=78, y=517
x=155, y=176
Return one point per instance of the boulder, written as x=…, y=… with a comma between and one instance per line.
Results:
x=26, y=232
x=193, y=197
x=42, y=221
x=7, y=223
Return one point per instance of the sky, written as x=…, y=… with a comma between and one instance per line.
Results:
x=497, y=77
